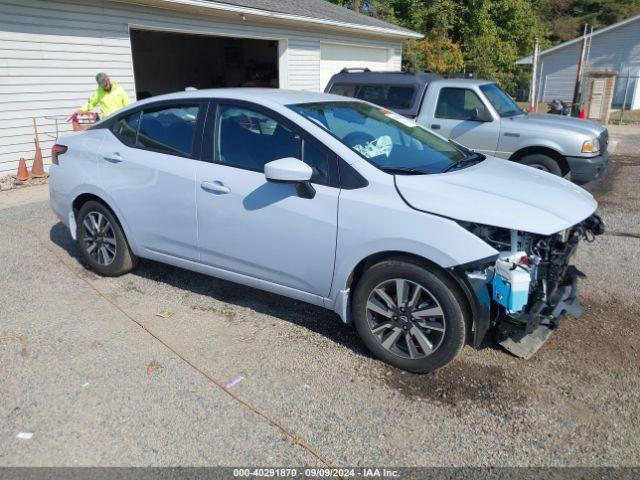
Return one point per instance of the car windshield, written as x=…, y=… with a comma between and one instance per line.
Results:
x=389, y=141
x=500, y=100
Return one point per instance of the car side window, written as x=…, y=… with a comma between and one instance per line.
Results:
x=126, y=128
x=249, y=139
x=170, y=129
x=458, y=103
x=318, y=159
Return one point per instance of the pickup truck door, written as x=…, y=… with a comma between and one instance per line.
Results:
x=449, y=111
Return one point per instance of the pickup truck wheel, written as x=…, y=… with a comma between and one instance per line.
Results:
x=409, y=316
x=542, y=162
x=102, y=242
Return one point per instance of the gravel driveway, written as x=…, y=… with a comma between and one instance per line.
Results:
x=90, y=369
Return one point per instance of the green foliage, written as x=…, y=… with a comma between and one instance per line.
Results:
x=566, y=18
x=488, y=36
x=436, y=52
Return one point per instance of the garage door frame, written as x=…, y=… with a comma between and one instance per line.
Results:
x=283, y=73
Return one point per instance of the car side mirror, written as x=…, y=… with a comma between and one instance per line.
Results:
x=481, y=115
x=291, y=170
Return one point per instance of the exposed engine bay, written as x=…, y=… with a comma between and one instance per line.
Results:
x=531, y=285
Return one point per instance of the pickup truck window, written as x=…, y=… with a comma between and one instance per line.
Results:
x=457, y=104
x=391, y=96
x=387, y=140
x=500, y=100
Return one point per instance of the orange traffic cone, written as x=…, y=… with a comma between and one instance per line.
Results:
x=37, y=169
x=23, y=173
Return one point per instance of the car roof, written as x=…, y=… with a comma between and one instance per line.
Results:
x=376, y=77
x=256, y=95
x=463, y=82
x=419, y=81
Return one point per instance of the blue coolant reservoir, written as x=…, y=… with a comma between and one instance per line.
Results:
x=511, y=284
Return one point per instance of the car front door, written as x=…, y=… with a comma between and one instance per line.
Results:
x=253, y=227
x=148, y=166
x=454, y=118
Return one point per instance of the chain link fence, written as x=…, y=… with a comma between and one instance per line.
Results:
x=625, y=108
x=625, y=104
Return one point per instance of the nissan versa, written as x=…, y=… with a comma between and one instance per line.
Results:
x=422, y=244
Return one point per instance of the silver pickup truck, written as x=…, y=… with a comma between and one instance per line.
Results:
x=481, y=116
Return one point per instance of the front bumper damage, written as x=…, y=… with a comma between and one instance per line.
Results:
x=524, y=337
x=552, y=295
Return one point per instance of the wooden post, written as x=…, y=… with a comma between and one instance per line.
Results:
x=534, y=75
x=575, y=107
x=539, y=88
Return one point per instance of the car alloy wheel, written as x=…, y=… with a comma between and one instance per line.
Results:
x=99, y=239
x=406, y=318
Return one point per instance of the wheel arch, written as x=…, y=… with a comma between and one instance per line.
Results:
x=542, y=150
x=83, y=197
x=468, y=303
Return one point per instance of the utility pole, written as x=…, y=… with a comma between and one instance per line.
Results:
x=575, y=107
x=534, y=75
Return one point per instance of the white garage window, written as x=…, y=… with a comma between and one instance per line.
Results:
x=335, y=56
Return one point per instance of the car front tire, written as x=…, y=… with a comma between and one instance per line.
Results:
x=102, y=242
x=409, y=315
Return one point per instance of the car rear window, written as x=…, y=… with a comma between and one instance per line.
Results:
x=399, y=97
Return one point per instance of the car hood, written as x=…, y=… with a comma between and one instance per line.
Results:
x=543, y=121
x=502, y=194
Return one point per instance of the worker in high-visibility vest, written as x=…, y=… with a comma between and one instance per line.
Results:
x=109, y=96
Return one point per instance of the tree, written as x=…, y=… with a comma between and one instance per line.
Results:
x=566, y=18
x=490, y=35
x=436, y=52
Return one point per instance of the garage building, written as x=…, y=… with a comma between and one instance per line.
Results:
x=615, y=48
x=50, y=51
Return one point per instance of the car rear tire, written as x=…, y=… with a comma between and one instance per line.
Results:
x=101, y=240
x=409, y=315
x=542, y=162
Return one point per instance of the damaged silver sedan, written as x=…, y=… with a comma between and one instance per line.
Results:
x=422, y=244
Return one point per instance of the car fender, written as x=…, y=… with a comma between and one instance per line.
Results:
x=89, y=189
x=536, y=142
x=349, y=259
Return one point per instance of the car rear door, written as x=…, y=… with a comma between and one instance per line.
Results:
x=147, y=165
x=452, y=117
x=257, y=228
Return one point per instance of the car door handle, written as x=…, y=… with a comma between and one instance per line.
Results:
x=215, y=187
x=435, y=126
x=114, y=157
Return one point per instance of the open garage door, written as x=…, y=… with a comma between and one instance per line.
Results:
x=165, y=62
x=334, y=57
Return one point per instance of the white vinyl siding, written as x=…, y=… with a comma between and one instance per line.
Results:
x=50, y=51
x=610, y=50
